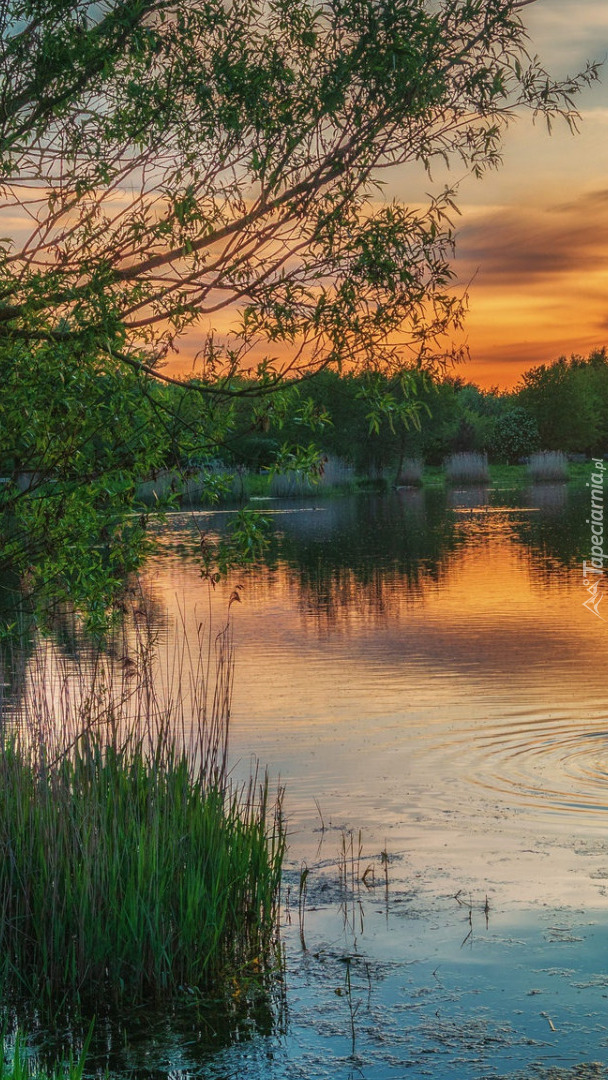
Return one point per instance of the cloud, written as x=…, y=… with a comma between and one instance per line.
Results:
x=522, y=355
x=526, y=246
x=590, y=200
x=568, y=33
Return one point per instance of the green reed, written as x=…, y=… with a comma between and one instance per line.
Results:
x=16, y=1064
x=130, y=868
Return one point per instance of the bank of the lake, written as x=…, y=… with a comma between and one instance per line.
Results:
x=135, y=876
x=219, y=486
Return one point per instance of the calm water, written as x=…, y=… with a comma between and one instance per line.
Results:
x=419, y=672
x=423, y=669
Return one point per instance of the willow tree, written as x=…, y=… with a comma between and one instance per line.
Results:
x=171, y=167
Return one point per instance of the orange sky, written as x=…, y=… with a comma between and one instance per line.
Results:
x=534, y=235
x=532, y=240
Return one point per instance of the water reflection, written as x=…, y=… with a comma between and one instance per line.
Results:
x=557, y=537
x=474, y=496
x=409, y=660
x=422, y=664
x=552, y=499
x=421, y=667
x=158, y=1040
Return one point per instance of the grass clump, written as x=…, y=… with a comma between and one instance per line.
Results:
x=289, y=484
x=410, y=473
x=130, y=868
x=548, y=465
x=16, y=1064
x=330, y=474
x=467, y=468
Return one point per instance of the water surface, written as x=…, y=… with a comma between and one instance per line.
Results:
x=420, y=667
x=420, y=674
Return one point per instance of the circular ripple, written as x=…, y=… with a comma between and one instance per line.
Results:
x=554, y=763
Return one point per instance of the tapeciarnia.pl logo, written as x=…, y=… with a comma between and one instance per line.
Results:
x=593, y=571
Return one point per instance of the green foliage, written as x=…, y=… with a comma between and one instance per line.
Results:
x=245, y=540
x=130, y=870
x=163, y=163
x=569, y=401
x=440, y=425
x=515, y=436
x=378, y=423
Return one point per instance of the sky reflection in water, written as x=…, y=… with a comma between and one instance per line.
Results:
x=420, y=673
x=422, y=666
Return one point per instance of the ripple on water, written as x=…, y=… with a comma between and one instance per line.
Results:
x=555, y=762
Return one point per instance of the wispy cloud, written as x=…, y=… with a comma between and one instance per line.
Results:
x=539, y=282
x=568, y=33
x=522, y=246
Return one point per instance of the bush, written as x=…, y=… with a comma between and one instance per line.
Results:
x=467, y=468
x=515, y=436
x=548, y=465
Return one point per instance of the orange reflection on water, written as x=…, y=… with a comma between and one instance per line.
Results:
x=458, y=700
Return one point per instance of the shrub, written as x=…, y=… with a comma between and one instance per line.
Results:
x=515, y=436
x=467, y=468
x=548, y=465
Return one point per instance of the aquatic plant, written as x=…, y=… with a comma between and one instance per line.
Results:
x=131, y=869
x=337, y=473
x=284, y=485
x=467, y=468
x=15, y=1064
x=548, y=465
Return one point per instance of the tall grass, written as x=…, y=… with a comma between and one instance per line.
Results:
x=334, y=473
x=16, y=1064
x=337, y=473
x=467, y=468
x=548, y=465
x=289, y=484
x=410, y=473
x=130, y=868
x=211, y=483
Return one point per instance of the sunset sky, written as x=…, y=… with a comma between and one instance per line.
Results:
x=533, y=237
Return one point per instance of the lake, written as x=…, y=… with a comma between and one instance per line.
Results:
x=419, y=672
x=422, y=668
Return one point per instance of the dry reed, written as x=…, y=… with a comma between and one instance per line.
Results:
x=548, y=465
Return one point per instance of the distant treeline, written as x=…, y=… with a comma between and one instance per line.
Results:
x=357, y=419
x=560, y=406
